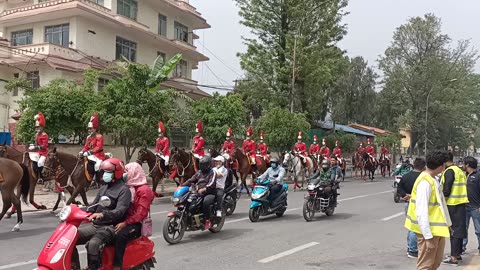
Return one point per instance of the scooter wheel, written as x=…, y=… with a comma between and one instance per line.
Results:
x=254, y=214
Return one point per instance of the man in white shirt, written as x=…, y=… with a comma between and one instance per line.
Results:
x=221, y=174
x=427, y=214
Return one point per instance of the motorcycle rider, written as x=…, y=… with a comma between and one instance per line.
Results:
x=404, y=168
x=40, y=146
x=101, y=230
x=142, y=198
x=221, y=174
x=329, y=176
x=275, y=174
x=205, y=181
x=337, y=174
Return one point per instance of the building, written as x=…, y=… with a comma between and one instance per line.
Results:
x=48, y=39
x=328, y=125
x=373, y=130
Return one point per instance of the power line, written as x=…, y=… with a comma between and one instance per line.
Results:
x=218, y=78
x=218, y=58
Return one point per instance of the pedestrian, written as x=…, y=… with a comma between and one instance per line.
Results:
x=404, y=189
x=473, y=191
x=454, y=183
x=427, y=214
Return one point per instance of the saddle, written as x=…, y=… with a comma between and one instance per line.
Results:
x=88, y=175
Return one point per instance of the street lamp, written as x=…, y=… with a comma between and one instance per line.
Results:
x=426, y=114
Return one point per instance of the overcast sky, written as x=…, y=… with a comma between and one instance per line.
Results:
x=371, y=24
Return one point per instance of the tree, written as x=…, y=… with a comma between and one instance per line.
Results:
x=218, y=114
x=346, y=140
x=354, y=95
x=422, y=64
x=281, y=128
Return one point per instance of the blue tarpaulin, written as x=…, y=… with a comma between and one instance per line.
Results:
x=5, y=138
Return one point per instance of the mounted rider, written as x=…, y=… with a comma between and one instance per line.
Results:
x=198, y=150
x=360, y=149
x=325, y=151
x=262, y=148
x=370, y=150
x=38, y=151
x=249, y=146
x=228, y=146
x=384, y=152
x=300, y=149
x=93, y=149
x=162, y=148
x=337, y=153
x=314, y=147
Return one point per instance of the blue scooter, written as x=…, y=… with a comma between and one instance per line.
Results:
x=261, y=204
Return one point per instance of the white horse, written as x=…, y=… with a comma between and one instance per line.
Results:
x=294, y=166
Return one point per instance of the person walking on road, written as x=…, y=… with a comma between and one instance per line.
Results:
x=427, y=214
x=473, y=191
x=405, y=190
x=454, y=183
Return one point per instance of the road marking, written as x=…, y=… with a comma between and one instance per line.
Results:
x=158, y=213
x=288, y=252
x=242, y=219
x=17, y=264
x=393, y=216
x=363, y=196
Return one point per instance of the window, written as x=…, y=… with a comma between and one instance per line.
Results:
x=128, y=8
x=181, y=32
x=180, y=70
x=23, y=37
x=126, y=48
x=162, y=25
x=58, y=34
x=33, y=76
x=164, y=57
x=102, y=83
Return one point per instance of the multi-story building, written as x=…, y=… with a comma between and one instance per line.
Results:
x=47, y=39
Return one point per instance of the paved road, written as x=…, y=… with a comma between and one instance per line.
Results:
x=366, y=232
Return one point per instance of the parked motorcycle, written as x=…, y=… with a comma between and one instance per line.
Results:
x=230, y=199
x=261, y=205
x=319, y=198
x=189, y=215
x=57, y=252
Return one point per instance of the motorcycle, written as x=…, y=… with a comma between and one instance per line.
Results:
x=396, y=196
x=189, y=215
x=57, y=252
x=230, y=199
x=319, y=198
x=261, y=205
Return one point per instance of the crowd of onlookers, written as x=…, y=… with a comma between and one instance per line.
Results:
x=441, y=199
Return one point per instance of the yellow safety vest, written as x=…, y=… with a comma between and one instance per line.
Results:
x=458, y=194
x=438, y=223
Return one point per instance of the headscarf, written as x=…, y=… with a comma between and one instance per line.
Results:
x=135, y=177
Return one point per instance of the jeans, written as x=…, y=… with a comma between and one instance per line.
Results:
x=219, y=197
x=208, y=200
x=126, y=235
x=473, y=213
x=411, y=237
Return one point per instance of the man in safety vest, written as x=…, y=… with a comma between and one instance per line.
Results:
x=93, y=148
x=454, y=183
x=228, y=146
x=162, y=148
x=38, y=151
x=300, y=149
x=427, y=214
x=325, y=151
x=337, y=153
x=249, y=147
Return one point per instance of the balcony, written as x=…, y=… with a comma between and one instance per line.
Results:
x=189, y=50
x=45, y=50
x=50, y=4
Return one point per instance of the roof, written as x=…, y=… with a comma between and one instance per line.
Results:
x=353, y=130
x=374, y=130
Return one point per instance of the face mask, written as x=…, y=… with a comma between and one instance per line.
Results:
x=124, y=177
x=325, y=169
x=107, y=177
x=274, y=165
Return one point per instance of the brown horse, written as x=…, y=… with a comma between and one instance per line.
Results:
x=22, y=157
x=384, y=165
x=245, y=168
x=13, y=174
x=154, y=167
x=182, y=164
x=358, y=163
x=70, y=174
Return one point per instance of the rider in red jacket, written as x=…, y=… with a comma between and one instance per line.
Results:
x=93, y=148
x=325, y=151
x=249, y=149
x=300, y=149
x=384, y=151
x=262, y=148
x=198, y=141
x=337, y=152
x=370, y=150
x=162, y=147
x=38, y=151
x=228, y=146
x=314, y=147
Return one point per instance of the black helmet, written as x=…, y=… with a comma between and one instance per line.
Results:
x=205, y=164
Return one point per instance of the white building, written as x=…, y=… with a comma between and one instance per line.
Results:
x=61, y=38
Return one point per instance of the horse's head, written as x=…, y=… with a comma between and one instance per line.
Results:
x=364, y=155
x=287, y=156
x=52, y=161
x=3, y=150
x=213, y=152
x=142, y=155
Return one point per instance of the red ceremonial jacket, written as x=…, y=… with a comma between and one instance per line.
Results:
x=325, y=151
x=300, y=148
x=228, y=147
x=384, y=151
x=263, y=149
x=249, y=147
x=94, y=143
x=360, y=150
x=337, y=152
x=41, y=140
x=370, y=150
x=314, y=149
x=198, y=144
x=163, y=146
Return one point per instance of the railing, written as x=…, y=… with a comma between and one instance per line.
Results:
x=45, y=49
x=52, y=3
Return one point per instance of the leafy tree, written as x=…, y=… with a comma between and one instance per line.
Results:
x=346, y=140
x=218, y=114
x=281, y=128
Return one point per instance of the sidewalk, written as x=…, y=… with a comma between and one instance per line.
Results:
x=473, y=263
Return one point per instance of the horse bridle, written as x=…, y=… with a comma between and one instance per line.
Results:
x=290, y=161
x=61, y=167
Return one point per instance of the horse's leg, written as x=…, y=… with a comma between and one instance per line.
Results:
x=235, y=175
x=7, y=202
x=17, y=204
x=244, y=183
x=31, y=194
x=14, y=209
x=59, y=198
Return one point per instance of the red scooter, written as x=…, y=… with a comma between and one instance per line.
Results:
x=57, y=252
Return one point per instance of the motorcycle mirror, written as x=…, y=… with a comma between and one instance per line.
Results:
x=105, y=201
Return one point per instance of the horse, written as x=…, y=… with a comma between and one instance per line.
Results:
x=183, y=164
x=369, y=167
x=23, y=158
x=293, y=163
x=215, y=153
x=358, y=163
x=70, y=174
x=245, y=168
x=13, y=174
x=384, y=165
x=154, y=167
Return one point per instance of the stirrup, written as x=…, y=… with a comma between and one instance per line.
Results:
x=40, y=181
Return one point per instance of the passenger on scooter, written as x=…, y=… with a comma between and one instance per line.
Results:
x=205, y=181
x=142, y=197
x=101, y=230
x=221, y=174
x=275, y=174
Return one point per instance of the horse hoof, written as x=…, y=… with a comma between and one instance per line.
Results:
x=42, y=207
x=16, y=228
x=9, y=215
x=158, y=195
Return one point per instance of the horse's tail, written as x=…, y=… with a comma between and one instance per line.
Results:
x=25, y=183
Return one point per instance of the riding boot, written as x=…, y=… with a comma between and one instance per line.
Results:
x=255, y=170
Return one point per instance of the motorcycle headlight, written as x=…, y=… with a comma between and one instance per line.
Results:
x=311, y=187
x=175, y=200
x=63, y=215
x=259, y=195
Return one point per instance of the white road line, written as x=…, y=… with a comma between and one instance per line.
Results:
x=363, y=196
x=158, y=213
x=17, y=264
x=288, y=252
x=393, y=216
